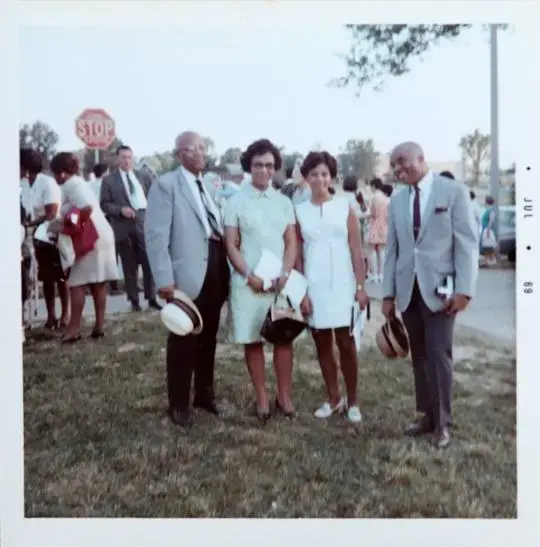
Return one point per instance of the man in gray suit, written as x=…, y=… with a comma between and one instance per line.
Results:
x=123, y=200
x=432, y=239
x=184, y=241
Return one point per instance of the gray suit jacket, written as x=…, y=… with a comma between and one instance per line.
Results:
x=447, y=244
x=113, y=197
x=175, y=236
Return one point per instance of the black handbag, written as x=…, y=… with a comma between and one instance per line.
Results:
x=282, y=324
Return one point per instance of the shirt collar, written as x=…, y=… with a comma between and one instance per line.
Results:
x=425, y=182
x=190, y=177
x=261, y=193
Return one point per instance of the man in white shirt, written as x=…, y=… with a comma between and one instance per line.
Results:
x=41, y=197
x=123, y=200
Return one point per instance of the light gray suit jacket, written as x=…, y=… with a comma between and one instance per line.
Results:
x=447, y=244
x=175, y=236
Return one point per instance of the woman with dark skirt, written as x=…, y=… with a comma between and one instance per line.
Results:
x=43, y=199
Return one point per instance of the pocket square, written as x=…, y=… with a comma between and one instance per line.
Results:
x=441, y=209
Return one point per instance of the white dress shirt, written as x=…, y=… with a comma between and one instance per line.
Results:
x=137, y=199
x=424, y=186
x=193, y=186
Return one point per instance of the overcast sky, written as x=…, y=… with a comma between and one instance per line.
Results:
x=234, y=86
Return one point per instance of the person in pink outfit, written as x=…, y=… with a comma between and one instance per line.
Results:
x=377, y=231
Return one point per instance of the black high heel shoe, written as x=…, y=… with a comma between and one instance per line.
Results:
x=281, y=410
x=97, y=334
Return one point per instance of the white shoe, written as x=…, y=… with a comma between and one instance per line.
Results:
x=326, y=410
x=353, y=414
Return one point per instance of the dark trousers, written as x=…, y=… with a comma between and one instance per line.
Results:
x=196, y=354
x=430, y=337
x=132, y=251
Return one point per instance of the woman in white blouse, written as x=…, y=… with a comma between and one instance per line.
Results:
x=42, y=198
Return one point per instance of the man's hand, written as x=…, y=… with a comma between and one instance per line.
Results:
x=167, y=293
x=127, y=212
x=362, y=298
x=456, y=303
x=388, y=308
x=255, y=283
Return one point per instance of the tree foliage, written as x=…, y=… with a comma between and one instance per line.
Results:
x=381, y=51
x=107, y=156
x=475, y=147
x=211, y=155
x=231, y=155
x=359, y=158
x=40, y=137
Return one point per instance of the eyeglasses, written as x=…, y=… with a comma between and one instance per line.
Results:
x=194, y=148
x=260, y=165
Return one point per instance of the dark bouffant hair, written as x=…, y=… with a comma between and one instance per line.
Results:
x=30, y=160
x=123, y=147
x=314, y=159
x=259, y=148
x=65, y=162
x=99, y=169
x=447, y=174
x=350, y=184
x=387, y=189
x=376, y=183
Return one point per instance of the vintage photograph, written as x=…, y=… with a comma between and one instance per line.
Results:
x=268, y=273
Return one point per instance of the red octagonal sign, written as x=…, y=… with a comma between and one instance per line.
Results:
x=95, y=128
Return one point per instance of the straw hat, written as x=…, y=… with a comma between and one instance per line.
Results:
x=181, y=316
x=391, y=339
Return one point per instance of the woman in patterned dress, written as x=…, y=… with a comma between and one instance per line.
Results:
x=378, y=231
x=260, y=217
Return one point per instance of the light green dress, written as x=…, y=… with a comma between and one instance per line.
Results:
x=262, y=218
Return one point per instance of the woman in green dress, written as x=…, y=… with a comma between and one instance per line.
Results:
x=260, y=218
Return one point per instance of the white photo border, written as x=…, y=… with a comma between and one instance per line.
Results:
x=17, y=531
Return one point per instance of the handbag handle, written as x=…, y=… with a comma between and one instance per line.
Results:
x=288, y=300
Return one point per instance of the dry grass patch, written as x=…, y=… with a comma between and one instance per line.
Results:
x=98, y=442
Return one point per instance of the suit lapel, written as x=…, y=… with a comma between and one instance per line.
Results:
x=188, y=195
x=430, y=207
x=121, y=187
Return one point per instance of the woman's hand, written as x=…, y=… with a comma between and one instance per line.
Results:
x=362, y=298
x=306, y=307
x=278, y=284
x=255, y=283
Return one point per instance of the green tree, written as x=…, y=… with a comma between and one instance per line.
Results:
x=231, y=155
x=381, y=51
x=211, y=155
x=40, y=137
x=475, y=148
x=359, y=158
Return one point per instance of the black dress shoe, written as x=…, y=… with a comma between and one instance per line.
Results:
x=209, y=406
x=441, y=438
x=97, y=334
x=135, y=306
x=154, y=304
x=180, y=417
x=421, y=427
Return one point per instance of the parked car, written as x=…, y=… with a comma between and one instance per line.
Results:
x=507, y=232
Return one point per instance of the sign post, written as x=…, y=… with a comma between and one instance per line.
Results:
x=96, y=129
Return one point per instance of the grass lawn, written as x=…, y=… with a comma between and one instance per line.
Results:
x=98, y=442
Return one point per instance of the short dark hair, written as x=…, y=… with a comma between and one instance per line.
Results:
x=472, y=195
x=65, y=162
x=30, y=160
x=288, y=172
x=123, y=147
x=350, y=184
x=259, y=148
x=99, y=169
x=376, y=183
x=447, y=174
x=387, y=189
x=314, y=159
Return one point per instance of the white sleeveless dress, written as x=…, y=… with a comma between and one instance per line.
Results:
x=327, y=262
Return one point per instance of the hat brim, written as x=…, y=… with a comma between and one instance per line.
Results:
x=182, y=300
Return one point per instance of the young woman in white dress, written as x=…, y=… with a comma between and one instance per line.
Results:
x=330, y=256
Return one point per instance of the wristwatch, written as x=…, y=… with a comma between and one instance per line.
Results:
x=360, y=287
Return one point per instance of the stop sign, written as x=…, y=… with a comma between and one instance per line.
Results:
x=95, y=128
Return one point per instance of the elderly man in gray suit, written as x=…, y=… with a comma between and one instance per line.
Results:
x=432, y=243
x=184, y=241
x=123, y=200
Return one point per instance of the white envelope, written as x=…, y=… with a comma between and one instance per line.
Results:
x=42, y=234
x=358, y=322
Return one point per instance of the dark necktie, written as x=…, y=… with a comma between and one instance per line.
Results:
x=416, y=212
x=130, y=184
x=214, y=225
